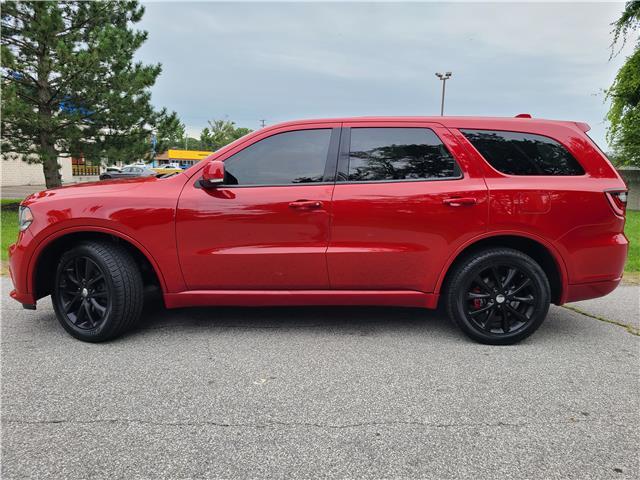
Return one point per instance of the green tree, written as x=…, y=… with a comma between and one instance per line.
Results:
x=624, y=114
x=220, y=133
x=70, y=85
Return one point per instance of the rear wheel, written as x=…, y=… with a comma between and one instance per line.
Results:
x=98, y=291
x=499, y=296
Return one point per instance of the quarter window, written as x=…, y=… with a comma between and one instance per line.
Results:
x=379, y=154
x=285, y=158
x=517, y=153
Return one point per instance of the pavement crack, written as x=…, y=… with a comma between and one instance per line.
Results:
x=629, y=328
x=271, y=424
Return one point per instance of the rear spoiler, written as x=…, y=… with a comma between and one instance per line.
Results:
x=583, y=126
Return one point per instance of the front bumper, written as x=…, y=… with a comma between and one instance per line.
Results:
x=18, y=266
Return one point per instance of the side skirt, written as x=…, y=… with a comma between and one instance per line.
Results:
x=271, y=298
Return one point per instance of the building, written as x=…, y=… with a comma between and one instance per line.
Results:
x=185, y=158
x=15, y=171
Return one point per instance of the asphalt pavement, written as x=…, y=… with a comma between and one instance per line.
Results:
x=317, y=393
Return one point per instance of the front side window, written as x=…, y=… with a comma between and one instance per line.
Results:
x=285, y=158
x=379, y=154
x=516, y=153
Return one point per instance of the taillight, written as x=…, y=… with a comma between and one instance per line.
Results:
x=618, y=201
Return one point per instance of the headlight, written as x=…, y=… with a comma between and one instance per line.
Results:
x=25, y=217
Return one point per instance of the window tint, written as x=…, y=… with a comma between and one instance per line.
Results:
x=398, y=154
x=290, y=157
x=517, y=153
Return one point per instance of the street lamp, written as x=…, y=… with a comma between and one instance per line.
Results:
x=444, y=77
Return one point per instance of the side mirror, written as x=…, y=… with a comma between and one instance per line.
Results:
x=212, y=174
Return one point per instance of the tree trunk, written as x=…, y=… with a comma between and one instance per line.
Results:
x=50, y=165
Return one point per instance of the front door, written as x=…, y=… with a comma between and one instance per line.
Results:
x=402, y=204
x=267, y=227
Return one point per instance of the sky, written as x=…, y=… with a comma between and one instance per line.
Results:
x=285, y=61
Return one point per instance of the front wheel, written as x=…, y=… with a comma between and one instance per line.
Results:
x=98, y=292
x=499, y=296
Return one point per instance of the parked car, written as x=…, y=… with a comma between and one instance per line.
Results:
x=129, y=171
x=173, y=166
x=494, y=218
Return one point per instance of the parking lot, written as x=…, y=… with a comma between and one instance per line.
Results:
x=317, y=392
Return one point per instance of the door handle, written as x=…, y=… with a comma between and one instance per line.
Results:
x=459, y=201
x=306, y=204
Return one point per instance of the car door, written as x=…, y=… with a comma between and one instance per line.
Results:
x=267, y=227
x=406, y=197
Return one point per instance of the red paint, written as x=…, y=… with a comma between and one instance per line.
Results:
x=384, y=243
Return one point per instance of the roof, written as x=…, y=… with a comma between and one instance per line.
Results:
x=454, y=122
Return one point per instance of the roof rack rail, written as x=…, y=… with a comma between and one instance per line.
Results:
x=523, y=115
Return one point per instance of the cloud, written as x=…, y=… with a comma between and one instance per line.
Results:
x=281, y=61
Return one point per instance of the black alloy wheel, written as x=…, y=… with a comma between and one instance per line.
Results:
x=84, y=293
x=498, y=296
x=98, y=291
x=501, y=299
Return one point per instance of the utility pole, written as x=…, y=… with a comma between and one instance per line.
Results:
x=263, y=123
x=444, y=77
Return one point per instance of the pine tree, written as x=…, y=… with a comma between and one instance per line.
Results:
x=70, y=86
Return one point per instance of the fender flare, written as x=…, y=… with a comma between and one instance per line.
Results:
x=44, y=243
x=555, y=254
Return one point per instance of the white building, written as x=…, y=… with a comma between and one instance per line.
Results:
x=15, y=171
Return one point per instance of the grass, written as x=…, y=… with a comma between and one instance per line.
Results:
x=632, y=230
x=9, y=222
x=9, y=233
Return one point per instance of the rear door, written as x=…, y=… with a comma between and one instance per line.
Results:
x=406, y=197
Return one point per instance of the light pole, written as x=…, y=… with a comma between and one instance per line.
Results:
x=444, y=77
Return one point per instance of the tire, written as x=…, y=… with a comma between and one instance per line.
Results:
x=98, y=291
x=105, y=177
x=498, y=296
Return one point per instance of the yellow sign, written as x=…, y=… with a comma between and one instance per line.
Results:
x=188, y=154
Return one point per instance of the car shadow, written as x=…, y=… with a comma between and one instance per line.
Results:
x=346, y=320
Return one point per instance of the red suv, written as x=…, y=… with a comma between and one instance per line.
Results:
x=495, y=218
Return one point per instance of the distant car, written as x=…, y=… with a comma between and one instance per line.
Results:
x=176, y=166
x=130, y=171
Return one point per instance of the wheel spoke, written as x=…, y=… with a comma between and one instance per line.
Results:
x=80, y=314
x=511, y=274
x=95, y=279
x=97, y=306
x=98, y=295
x=87, y=309
x=496, y=276
x=74, y=280
x=87, y=268
x=526, y=282
x=527, y=299
x=506, y=323
x=67, y=307
x=474, y=295
x=480, y=310
x=76, y=266
x=520, y=316
x=487, y=323
x=481, y=283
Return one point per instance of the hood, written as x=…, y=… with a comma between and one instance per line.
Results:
x=90, y=188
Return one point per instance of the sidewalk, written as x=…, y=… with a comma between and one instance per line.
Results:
x=622, y=306
x=21, y=191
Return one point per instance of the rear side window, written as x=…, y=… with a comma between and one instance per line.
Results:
x=378, y=154
x=285, y=158
x=516, y=153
